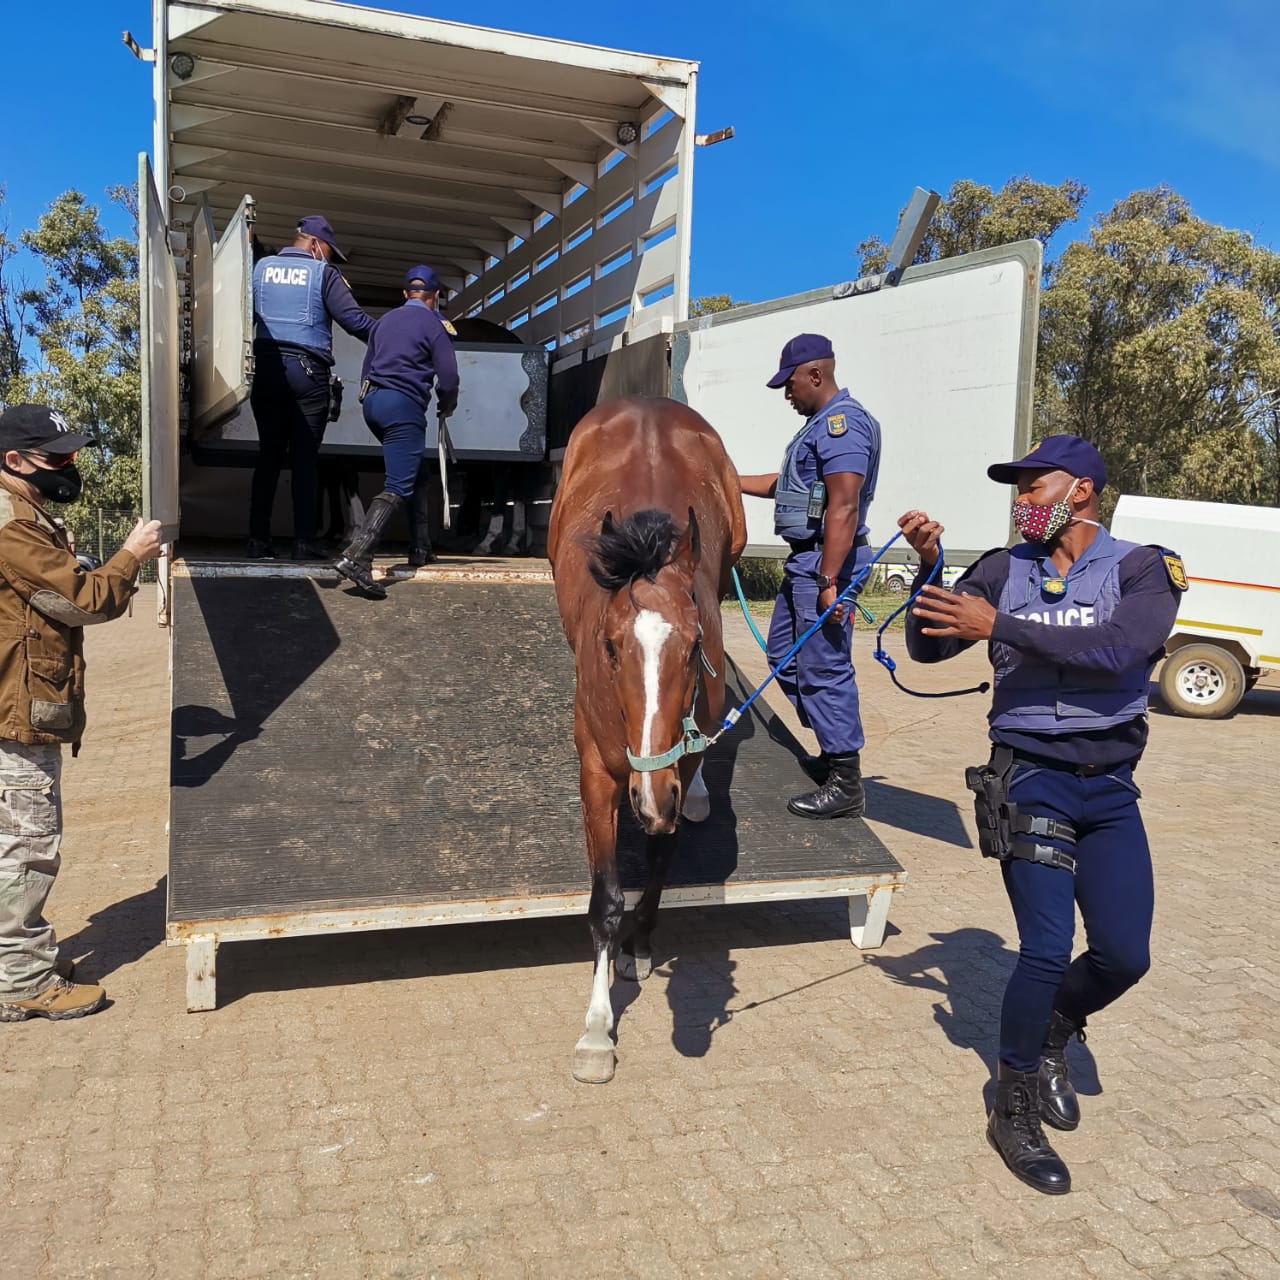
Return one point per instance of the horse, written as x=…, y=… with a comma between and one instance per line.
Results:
x=645, y=529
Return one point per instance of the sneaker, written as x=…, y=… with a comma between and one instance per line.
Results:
x=259, y=549
x=59, y=1001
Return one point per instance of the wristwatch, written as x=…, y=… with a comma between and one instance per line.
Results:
x=824, y=582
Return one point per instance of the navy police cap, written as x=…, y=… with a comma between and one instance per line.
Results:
x=1056, y=453
x=422, y=277
x=802, y=349
x=315, y=224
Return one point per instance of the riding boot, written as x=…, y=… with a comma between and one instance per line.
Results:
x=1014, y=1130
x=1059, y=1105
x=840, y=796
x=356, y=562
x=420, y=552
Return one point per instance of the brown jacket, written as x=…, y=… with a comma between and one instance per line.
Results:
x=46, y=601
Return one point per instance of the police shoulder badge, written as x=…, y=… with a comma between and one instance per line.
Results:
x=448, y=328
x=1176, y=570
x=837, y=425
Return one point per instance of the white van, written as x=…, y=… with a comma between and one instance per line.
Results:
x=1228, y=627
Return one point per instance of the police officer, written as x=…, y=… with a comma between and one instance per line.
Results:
x=297, y=295
x=837, y=454
x=1074, y=621
x=410, y=349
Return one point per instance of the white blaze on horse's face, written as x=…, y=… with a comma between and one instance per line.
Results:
x=651, y=631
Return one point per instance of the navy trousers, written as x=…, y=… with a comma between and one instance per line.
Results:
x=400, y=423
x=290, y=401
x=819, y=680
x=1112, y=885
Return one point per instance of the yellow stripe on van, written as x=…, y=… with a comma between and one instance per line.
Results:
x=1218, y=626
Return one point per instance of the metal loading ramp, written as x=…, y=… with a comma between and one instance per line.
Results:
x=339, y=763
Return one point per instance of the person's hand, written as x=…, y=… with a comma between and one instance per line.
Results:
x=961, y=616
x=145, y=542
x=923, y=534
x=826, y=599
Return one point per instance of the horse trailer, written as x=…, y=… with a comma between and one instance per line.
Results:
x=340, y=765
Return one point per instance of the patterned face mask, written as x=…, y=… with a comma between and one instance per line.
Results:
x=1040, y=521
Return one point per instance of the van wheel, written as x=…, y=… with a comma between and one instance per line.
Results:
x=1203, y=681
x=895, y=586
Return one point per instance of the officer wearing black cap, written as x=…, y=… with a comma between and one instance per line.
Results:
x=410, y=350
x=46, y=601
x=297, y=295
x=821, y=497
x=1074, y=621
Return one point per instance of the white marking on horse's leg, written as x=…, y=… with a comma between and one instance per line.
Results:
x=652, y=630
x=697, y=800
x=593, y=1056
x=600, y=1010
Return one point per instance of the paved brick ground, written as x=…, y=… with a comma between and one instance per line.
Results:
x=401, y=1105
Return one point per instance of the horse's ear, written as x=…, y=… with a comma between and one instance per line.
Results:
x=688, y=550
x=606, y=528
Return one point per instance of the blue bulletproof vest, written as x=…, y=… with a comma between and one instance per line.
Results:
x=1038, y=696
x=288, y=303
x=791, y=497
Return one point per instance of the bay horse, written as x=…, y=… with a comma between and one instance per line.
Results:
x=645, y=529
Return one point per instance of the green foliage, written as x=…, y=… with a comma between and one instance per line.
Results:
x=974, y=217
x=712, y=303
x=761, y=578
x=73, y=342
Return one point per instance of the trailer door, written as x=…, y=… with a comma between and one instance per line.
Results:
x=221, y=317
x=160, y=357
x=945, y=360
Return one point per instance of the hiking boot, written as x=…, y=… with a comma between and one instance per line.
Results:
x=1013, y=1129
x=259, y=549
x=306, y=549
x=1059, y=1105
x=58, y=1001
x=840, y=796
x=360, y=575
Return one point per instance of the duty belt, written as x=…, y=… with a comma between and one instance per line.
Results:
x=810, y=543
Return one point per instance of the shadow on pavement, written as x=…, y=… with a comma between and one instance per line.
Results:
x=118, y=935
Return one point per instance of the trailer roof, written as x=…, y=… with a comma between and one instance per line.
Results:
x=312, y=106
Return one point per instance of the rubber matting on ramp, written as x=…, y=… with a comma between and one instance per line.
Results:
x=334, y=752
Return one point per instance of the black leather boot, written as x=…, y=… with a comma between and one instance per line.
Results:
x=817, y=767
x=840, y=796
x=356, y=562
x=420, y=552
x=1059, y=1105
x=1013, y=1128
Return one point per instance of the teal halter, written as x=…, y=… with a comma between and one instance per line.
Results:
x=693, y=743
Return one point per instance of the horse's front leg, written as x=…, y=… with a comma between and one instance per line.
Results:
x=594, y=1059
x=635, y=960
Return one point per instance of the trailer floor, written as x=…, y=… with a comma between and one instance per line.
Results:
x=344, y=763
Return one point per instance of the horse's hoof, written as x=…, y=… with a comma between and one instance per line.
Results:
x=594, y=1059
x=633, y=968
x=697, y=807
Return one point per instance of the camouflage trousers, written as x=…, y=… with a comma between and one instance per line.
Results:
x=30, y=839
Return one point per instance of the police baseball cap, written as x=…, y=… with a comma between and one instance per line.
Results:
x=800, y=350
x=316, y=225
x=422, y=277
x=35, y=428
x=1056, y=453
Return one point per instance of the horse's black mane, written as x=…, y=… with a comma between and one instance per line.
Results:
x=636, y=547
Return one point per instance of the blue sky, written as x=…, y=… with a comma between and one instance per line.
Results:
x=840, y=109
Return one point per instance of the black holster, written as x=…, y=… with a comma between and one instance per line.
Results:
x=1002, y=829
x=335, y=399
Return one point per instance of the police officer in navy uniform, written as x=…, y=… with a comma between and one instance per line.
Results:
x=836, y=451
x=1074, y=620
x=410, y=349
x=297, y=295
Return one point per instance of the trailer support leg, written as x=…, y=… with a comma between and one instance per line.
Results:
x=202, y=974
x=868, y=915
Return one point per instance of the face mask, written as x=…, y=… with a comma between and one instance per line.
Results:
x=1040, y=521
x=62, y=485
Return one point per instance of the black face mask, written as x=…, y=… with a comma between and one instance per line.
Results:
x=62, y=485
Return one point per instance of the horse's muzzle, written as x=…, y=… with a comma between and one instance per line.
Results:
x=657, y=804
